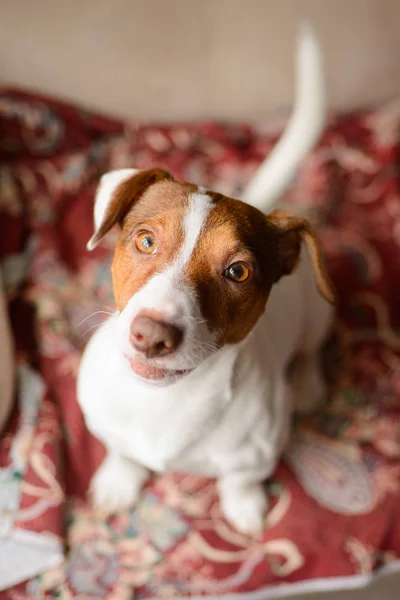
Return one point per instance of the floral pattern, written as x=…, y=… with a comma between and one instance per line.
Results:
x=335, y=494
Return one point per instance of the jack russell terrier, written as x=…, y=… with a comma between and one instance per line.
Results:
x=215, y=299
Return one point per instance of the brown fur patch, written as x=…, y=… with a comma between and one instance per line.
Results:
x=159, y=210
x=125, y=195
x=233, y=231
x=295, y=230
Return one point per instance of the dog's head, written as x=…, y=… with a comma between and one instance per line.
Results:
x=192, y=269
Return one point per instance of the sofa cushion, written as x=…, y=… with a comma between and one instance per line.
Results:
x=334, y=520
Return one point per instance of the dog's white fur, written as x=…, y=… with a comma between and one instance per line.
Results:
x=229, y=417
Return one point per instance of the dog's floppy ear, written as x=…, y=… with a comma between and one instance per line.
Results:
x=115, y=195
x=294, y=230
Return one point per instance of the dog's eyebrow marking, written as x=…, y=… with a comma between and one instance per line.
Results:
x=200, y=205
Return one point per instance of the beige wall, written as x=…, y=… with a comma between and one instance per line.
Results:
x=180, y=59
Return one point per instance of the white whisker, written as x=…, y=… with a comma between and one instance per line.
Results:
x=98, y=312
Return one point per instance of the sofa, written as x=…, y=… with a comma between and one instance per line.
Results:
x=176, y=78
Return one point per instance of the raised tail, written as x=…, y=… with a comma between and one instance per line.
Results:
x=303, y=129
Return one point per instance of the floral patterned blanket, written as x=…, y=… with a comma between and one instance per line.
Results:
x=336, y=492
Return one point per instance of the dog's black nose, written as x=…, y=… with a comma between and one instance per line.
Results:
x=154, y=338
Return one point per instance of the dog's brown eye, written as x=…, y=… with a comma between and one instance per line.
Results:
x=146, y=243
x=238, y=272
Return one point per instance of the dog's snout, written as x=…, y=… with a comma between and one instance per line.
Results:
x=154, y=338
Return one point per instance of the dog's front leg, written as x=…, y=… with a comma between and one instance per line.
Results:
x=116, y=485
x=243, y=502
x=242, y=492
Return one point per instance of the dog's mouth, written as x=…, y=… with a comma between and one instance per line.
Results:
x=152, y=373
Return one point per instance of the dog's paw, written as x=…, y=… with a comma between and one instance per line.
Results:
x=245, y=508
x=116, y=485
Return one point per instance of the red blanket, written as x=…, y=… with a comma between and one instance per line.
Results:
x=337, y=490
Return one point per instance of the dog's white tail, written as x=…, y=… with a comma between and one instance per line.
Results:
x=302, y=132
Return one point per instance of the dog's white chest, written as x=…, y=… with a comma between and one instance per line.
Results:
x=160, y=428
x=162, y=438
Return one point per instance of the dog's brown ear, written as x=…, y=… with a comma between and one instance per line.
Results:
x=116, y=193
x=294, y=230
